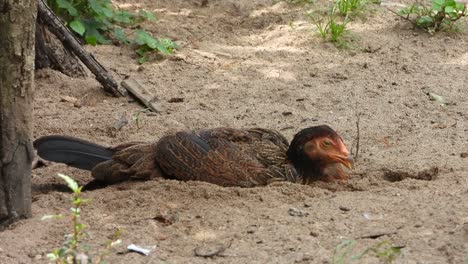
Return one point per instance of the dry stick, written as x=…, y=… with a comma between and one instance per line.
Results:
x=71, y=43
x=358, y=132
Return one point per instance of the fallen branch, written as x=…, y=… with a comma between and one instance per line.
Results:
x=142, y=94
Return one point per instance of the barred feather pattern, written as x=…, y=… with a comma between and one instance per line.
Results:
x=223, y=156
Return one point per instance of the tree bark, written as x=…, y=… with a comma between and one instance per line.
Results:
x=17, y=36
x=50, y=53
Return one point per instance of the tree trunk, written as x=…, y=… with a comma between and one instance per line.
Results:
x=17, y=35
x=50, y=53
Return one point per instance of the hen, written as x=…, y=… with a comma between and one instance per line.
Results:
x=223, y=156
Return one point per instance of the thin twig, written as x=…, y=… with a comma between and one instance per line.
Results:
x=356, y=143
x=358, y=135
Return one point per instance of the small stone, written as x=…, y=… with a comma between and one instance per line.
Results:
x=211, y=250
x=251, y=229
x=297, y=212
x=176, y=100
x=344, y=209
x=68, y=99
x=314, y=234
x=464, y=155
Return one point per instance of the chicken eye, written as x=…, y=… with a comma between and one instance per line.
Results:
x=326, y=143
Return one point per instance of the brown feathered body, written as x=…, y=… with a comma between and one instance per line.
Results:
x=223, y=156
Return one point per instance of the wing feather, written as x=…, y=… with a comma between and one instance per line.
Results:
x=210, y=157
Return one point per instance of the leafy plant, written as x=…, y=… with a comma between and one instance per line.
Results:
x=346, y=7
x=342, y=251
x=136, y=117
x=98, y=22
x=337, y=30
x=146, y=43
x=438, y=15
x=381, y=250
x=331, y=27
x=72, y=250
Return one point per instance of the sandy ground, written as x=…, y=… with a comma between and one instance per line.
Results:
x=257, y=63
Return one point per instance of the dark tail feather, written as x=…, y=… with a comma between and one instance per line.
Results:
x=74, y=152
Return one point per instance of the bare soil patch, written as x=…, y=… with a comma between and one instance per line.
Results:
x=255, y=63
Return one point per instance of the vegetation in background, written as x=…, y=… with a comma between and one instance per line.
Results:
x=348, y=7
x=381, y=250
x=98, y=22
x=73, y=250
x=331, y=25
x=435, y=16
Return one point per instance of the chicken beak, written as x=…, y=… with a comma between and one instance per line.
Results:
x=348, y=162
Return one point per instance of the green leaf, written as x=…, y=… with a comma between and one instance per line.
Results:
x=94, y=32
x=141, y=37
x=123, y=17
x=78, y=27
x=70, y=182
x=143, y=59
x=64, y=4
x=169, y=44
x=52, y=256
x=91, y=40
x=449, y=3
x=147, y=15
x=142, y=50
x=119, y=34
x=449, y=9
x=101, y=8
x=425, y=21
x=405, y=11
x=438, y=4
x=80, y=226
x=459, y=7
